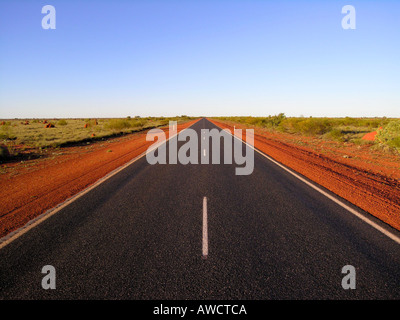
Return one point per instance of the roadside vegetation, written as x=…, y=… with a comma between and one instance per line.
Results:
x=339, y=129
x=390, y=135
x=19, y=135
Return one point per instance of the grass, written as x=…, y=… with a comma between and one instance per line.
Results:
x=338, y=129
x=18, y=132
x=390, y=135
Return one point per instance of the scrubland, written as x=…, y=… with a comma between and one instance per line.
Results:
x=18, y=136
x=349, y=130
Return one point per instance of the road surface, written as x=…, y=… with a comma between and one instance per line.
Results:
x=141, y=235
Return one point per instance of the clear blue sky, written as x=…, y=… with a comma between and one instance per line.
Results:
x=152, y=58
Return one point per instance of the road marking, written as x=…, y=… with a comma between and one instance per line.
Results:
x=44, y=216
x=337, y=201
x=204, y=152
x=205, y=229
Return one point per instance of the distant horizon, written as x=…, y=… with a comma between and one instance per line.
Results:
x=190, y=116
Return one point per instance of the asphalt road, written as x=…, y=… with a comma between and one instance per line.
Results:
x=139, y=235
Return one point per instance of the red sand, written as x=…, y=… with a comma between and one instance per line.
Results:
x=371, y=135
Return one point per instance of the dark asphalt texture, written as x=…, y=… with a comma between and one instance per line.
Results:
x=139, y=236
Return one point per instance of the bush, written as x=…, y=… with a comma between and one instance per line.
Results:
x=265, y=122
x=6, y=132
x=335, y=134
x=62, y=122
x=118, y=124
x=315, y=126
x=137, y=123
x=390, y=135
x=310, y=126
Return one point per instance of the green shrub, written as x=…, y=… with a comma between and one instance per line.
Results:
x=390, y=135
x=62, y=122
x=137, y=123
x=309, y=126
x=6, y=132
x=315, y=126
x=264, y=122
x=118, y=124
x=335, y=134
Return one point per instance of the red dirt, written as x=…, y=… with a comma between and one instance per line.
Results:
x=368, y=178
x=371, y=135
x=30, y=188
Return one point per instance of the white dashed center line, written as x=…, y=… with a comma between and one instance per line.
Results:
x=205, y=229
